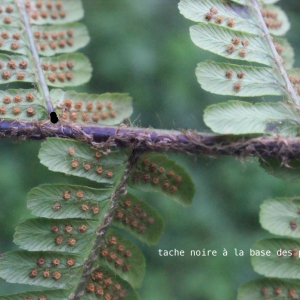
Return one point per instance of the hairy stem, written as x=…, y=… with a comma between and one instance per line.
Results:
x=35, y=55
x=278, y=60
x=190, y=142
x=101, y=230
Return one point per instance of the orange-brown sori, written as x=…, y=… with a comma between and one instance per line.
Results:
x=228, y=74
x=55, y=262
x=219, y=19
x=58, y=240
x=56, y=275
x=74, y=163
x=71, y=151
x=95, y=209
x=237, y=86
x=56, y=206
x=87, y=166
x=33, y=273
x=85, y=206
x=23, y=64
x=54, y=228
x=20, y=76
x=82, y=228
x=68, y=228
x=16, y=110
x=40, y=261
x=71, y=241
x=17, y=98
x=2, y=110
x=66, y=195
x=6, y=74
x=80, y=194
x=70, y=262
x=30, y=112
x=230, y=49
x=6, y=99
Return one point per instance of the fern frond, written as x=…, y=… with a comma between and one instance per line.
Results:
x=240, y=32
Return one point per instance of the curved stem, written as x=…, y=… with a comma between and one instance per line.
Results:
x=35, y=55
x=101, y=230
x=189, y=142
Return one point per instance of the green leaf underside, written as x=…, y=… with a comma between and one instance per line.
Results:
x=59, y=39
x=281, y=216
x=287, y=53
x=55, y=155
x=7, y=44
x=274, y=167
x=268, y=288
x=72, y=8
x=13, y=14
x=256, y=81
x=43, y=199
x=281, y=17
x=16, y=267
x=37, y=235
x=237, y=117
x=81, y=72
x=218, y=40
x=136, y=260
x=49, y=294
x=8, y=74
x=150, y=224
x=14, y=104
x=143, y=178
x=119, y=287
x=277, y=266
x=196, y=11
x=104, y=109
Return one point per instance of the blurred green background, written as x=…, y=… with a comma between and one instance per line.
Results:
x=143, y=47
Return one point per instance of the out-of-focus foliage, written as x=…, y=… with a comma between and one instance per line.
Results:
x=143, y=47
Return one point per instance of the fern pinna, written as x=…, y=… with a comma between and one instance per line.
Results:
x=70, y=248
x=250, y=31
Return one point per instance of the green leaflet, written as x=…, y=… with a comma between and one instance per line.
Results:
x=65, y=38
x=139, y=218
x=123, y=258
x=10, y=14
x=65, y=235
x=279, y=264
x=105, y=109
x=108, y=283
x=60, y=12
x=15, y=68
x=21, y=104
x=222, y=14
x=156, y=172
x=13, y=40
x=281, y=216
x=66, y=70
x=59, y=201
x=286, y=51
x=22, y=267
x=79, y=159
x=245, y=81
x=237, y=117
x=220, y=41
x=275, y=168
x=278, y=24
x=262, y=289
x=49, y=294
